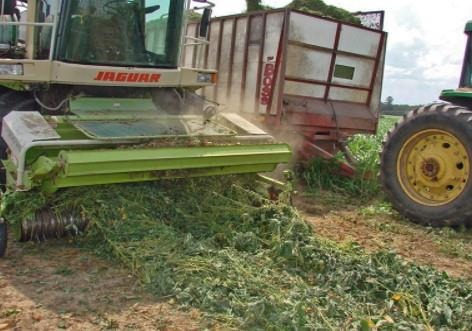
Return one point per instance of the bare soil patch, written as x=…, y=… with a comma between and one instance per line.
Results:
x=343, y=222
x=55, y=286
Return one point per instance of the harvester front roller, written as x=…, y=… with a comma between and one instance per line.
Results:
x=426, y=165
x=45, y=224
x=49, y=224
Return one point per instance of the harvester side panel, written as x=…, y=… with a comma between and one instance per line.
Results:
x=317, y=80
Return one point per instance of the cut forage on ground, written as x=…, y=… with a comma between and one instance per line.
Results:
x=217, y=245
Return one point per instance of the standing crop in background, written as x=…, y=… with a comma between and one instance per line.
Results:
x=322, y=174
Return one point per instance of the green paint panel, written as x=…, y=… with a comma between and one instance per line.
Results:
x=107, y=166
x=89, y=180
x=17, y=86
x=122, y=119
x=456, y=94
x=80, y=163
x=156, y=127
x=131, y=129
x=344, y=72
x=468, y=27
x=85, y=105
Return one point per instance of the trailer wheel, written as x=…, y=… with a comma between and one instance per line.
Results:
x=426, y=165
x=3, y=237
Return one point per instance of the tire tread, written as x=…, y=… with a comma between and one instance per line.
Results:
x=458, y=214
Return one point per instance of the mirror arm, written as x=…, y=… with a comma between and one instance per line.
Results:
x=209, y=4
x=152, y=9
x=205, y=23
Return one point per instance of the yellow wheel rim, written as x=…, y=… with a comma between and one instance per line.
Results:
x=433, y=167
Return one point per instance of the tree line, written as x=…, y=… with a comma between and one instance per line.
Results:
x=389, y=108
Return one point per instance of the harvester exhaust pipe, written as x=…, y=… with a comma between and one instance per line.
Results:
x=48, y=224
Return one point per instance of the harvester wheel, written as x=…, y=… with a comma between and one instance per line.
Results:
x=426, y=165
x=3, y=237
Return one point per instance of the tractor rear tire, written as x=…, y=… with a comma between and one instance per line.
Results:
x=3, y=238
x=426, y=165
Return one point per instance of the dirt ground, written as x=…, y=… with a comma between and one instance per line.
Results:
x=377, y=227
x=56, y=286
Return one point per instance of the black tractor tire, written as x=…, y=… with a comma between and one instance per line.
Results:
x=3, y=238
x=397, y=168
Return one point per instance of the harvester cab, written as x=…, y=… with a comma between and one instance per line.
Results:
x=9, y=35
x=91, y=93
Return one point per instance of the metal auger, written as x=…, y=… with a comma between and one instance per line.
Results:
x=49, y=224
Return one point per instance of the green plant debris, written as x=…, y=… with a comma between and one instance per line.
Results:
x=64, y=271
x=215, y=245
x=319, y=7
x=322, y=174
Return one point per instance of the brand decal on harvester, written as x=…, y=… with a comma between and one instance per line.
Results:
x=111, y=76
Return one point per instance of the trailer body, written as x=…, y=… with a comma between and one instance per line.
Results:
x=311, y=80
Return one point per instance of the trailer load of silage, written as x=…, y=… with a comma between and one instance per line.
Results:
x=216, y=245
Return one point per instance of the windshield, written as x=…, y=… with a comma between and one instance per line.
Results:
x=142, y=33
x=466, y=79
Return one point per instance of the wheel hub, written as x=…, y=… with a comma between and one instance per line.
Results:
x=430, y=167
x=433, y=167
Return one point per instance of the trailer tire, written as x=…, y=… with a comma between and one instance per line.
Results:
x=426, y=165
x=3, y=238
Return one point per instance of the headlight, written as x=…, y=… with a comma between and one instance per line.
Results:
x=206, y=77
x=11, y=69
